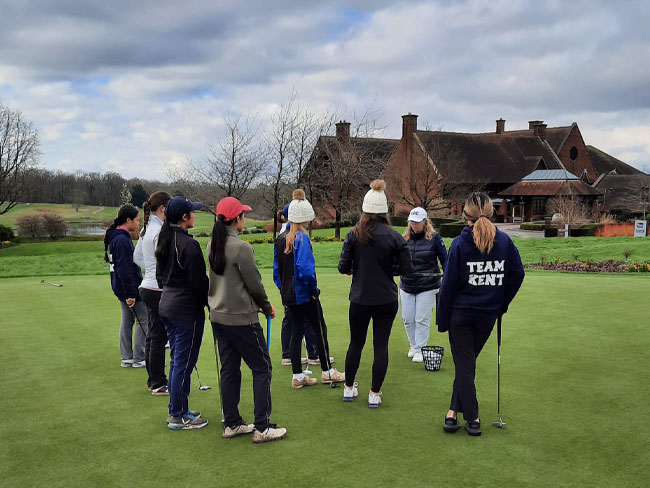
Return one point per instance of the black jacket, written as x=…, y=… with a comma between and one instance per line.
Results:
x=425, y=255
x=374, y=265
x=182, y=277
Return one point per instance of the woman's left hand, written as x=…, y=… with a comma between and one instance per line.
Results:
x=130, y=302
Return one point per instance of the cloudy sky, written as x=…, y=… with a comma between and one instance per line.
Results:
x=128, y=86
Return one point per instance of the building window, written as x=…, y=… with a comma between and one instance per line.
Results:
x=573, y=153
x=539, y=206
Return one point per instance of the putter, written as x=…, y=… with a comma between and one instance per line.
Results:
x=202, y=387
x=216, y=354
x=326, y=348
x=500, y=424
x=43, y=282
x=306, y=371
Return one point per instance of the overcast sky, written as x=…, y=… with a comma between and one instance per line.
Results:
x=126, y=86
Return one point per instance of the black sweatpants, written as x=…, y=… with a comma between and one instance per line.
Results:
x=382, y=322
x=154, y=348
x=468, y=333
x=298, y=314
x=237, y=342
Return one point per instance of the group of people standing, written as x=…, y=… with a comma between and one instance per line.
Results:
x=482, y=274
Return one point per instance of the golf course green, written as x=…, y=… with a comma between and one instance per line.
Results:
x=574, y=385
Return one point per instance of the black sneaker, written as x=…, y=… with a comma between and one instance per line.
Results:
x=186, y=423
x=160, y=391
x=473, y=427
x=451, y=425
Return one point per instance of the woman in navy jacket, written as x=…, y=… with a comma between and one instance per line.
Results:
x=418, y=290
x=482, y=276
x=125, y=279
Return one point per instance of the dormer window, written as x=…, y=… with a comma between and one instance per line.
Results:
x=573, y=153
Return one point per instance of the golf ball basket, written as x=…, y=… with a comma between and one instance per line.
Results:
x=432, y=356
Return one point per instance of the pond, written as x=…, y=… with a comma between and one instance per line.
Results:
x=86, y=229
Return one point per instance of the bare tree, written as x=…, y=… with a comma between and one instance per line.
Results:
x=279, y=138
x=342, y=167
x=435, y=177
x=19, y=151
x=571, y=209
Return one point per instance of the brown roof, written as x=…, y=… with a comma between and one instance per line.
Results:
x=554, y=135
x=624, y=192
x=491, y=157
x=549, y=189
x=604, y=163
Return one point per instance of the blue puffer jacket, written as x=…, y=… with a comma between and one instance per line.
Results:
x=425, y=255
x=295, y=273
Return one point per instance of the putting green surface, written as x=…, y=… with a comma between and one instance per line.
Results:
x=574, y=393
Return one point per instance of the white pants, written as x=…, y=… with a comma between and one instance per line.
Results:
x=416, y=313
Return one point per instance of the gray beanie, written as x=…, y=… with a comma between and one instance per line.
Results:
x=375, y=201
x=300, y=210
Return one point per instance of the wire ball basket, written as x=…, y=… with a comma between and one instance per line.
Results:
x=432, y=356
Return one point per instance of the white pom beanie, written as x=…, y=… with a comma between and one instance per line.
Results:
x=300, y=210
x=375, y=201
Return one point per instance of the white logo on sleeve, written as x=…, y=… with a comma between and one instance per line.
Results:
x=485, y=273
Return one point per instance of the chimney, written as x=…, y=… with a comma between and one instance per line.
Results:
x=533, y=123
x=343, y=131
x=501, y=126
x=540, y=130
x=409, y=124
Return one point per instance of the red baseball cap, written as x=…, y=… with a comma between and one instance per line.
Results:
x=230, y=208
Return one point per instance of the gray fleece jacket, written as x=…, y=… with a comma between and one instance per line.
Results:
x=236, y=297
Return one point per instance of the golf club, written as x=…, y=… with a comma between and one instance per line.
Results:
x=500, y=423
x=268, y=332
x=137, y=319
x=326, y=348
x=43, y=282
x=306, y=371
x=216, y=354
x=202, y=387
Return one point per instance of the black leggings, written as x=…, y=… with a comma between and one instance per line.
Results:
x=309, y=312
x=468, y=333
x=382, y=322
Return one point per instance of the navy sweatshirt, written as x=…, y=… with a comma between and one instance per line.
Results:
x=125, y=274
x=374, y=265
x=484, y=283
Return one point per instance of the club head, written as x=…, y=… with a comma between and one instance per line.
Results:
x=500, y=424
x=205, y=387
x=334, y=385
x=307, y=372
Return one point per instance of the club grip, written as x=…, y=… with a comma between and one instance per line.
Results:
x=499, y=330
x=268, y=332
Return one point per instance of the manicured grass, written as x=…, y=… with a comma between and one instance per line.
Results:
x=574, y=392
x=85, y=214
x=84, y=258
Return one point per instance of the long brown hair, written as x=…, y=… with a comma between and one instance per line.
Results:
x=291, y=236
x=156, y=199
x=429, y=231
x=478, y=210
x=367, y=223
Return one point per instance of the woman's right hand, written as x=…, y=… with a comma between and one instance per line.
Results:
x=272, y=311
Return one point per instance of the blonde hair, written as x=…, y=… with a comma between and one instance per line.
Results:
x=298, y=194
x=477, y=210
x=429, y=231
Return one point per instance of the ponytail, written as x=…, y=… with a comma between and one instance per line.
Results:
x=126, y=212
x=217, y=252
x=164, y=239
x=478, y=209
x=291, y=237
x=156, y=199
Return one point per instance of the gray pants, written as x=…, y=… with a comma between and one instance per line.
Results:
x=126, y=331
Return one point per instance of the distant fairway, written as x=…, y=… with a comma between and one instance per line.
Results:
x=574, y=385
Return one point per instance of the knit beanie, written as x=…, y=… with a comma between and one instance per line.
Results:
x=375, y=201
x=300, y=210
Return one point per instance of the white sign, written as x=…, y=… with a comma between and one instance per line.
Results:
x=640, y=228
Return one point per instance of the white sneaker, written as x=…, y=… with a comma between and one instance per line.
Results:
x=411, y=351
x=349, y=394
x=332, y=376
x=138, y=364
x=270, y=434
x=242, y=429
x=127, y=363
x=374, y=400
x=417, y=357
